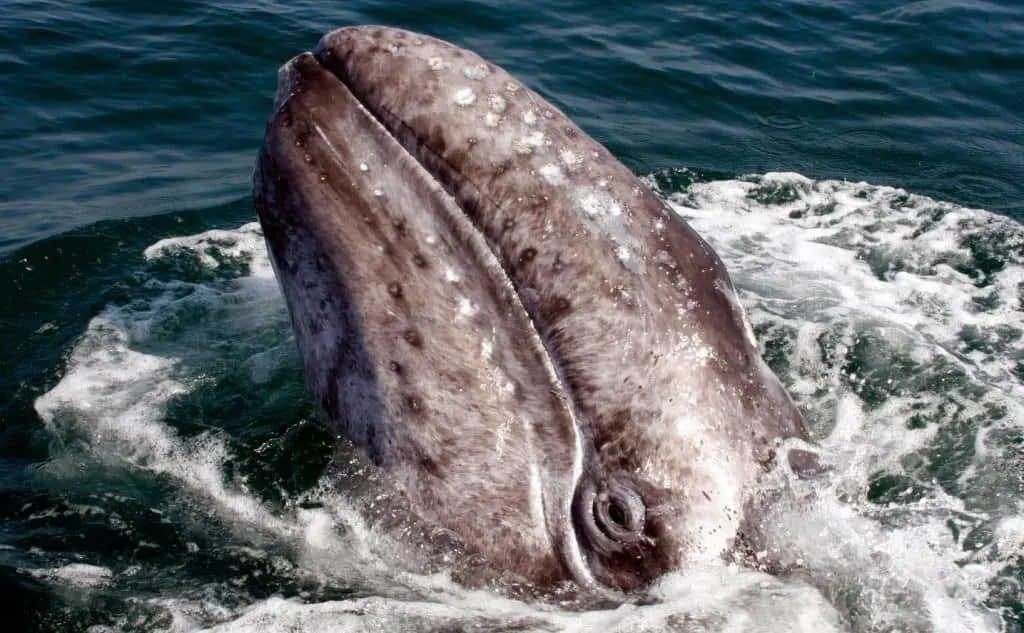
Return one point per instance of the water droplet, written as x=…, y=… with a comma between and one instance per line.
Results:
x=379, y=193
x=323, y=177
x=364, y=167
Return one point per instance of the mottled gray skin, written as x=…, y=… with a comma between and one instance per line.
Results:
x=546, y=359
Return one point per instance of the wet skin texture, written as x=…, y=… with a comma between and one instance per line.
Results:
x=545, y=359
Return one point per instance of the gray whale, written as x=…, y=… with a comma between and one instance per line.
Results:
x=508, y=322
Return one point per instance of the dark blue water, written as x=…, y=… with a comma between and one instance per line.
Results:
x=123, y=123
x=122, y=109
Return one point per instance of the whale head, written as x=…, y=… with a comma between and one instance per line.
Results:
x=513, y=327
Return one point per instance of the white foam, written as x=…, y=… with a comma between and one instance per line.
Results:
x=703, y=600
x=116, y=393
x=77, y=575
x=851, y=273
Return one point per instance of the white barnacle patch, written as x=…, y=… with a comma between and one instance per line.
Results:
x=468, y=309
x=497, y=104
x=437, y=64
x=552, y=174
x=512, y=87
x=451, y=276
x=570, y=158
x=491, y=119
x=476, y=72
x=527, y=143
x=663, y=258
x=600, y=206
x=378, y=193
x=529, y=117
x=605, y=215
x=624, y=254
x=464, y=97
x=487, y=348
x=364, y=167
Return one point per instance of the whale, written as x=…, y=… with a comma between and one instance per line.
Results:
x=511, y=325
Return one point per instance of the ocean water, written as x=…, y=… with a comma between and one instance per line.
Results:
x=859, y=166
